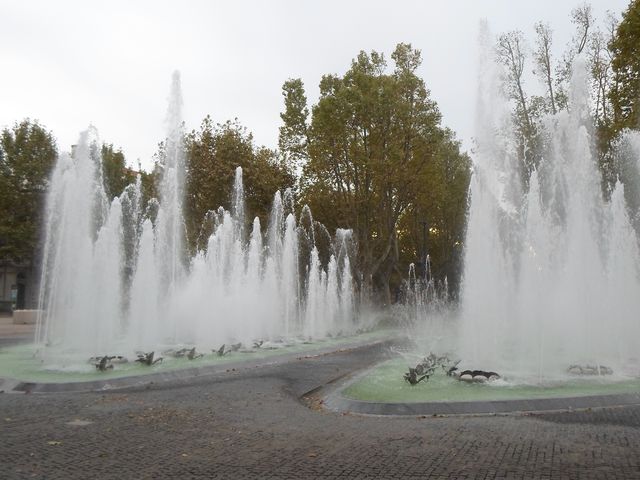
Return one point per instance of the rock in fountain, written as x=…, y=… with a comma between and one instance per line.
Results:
x=116, y=277
x=427, y=367
x=148, y=359
x=552, y=274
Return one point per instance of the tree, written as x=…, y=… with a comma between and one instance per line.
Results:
x=599, y=58
x=149, y=182
x=213, y=153
x=442, y=203
x=27, y=156
x=592, y=43
x=292, y=139
x=543, y=62
x=115, y=174
x=625, y=91
x=371, y=138
x=511, y=52
x=582, y=19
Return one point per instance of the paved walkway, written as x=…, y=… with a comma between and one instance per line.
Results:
x=11, y=333
x=251, y=424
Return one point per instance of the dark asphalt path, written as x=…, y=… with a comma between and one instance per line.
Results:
x=252, y=424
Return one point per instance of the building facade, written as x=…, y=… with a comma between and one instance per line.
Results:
x=18, y=286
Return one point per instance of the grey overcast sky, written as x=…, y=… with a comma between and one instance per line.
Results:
x=69, y=63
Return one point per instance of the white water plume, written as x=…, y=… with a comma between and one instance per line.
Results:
x=116, y=278
x=552, y=274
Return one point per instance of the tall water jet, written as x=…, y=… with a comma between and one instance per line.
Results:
x=237, y=204
x=81, y=270
x=170, y=226
x=552, y=274
x=490, y=214
x=315, y=302
x=347, y=302
x=143, y=311
x=162, y=249
x=289, y=275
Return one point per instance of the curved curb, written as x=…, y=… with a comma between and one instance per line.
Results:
x=337, y=403
x=18, y=385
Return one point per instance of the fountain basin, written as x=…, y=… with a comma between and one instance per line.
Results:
x=22, y=369
x=382, y=391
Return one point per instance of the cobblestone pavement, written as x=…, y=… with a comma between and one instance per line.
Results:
x=251, y=424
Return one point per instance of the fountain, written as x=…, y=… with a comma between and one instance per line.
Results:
x=552, y=273
x=551, y=290
x=116, y=278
